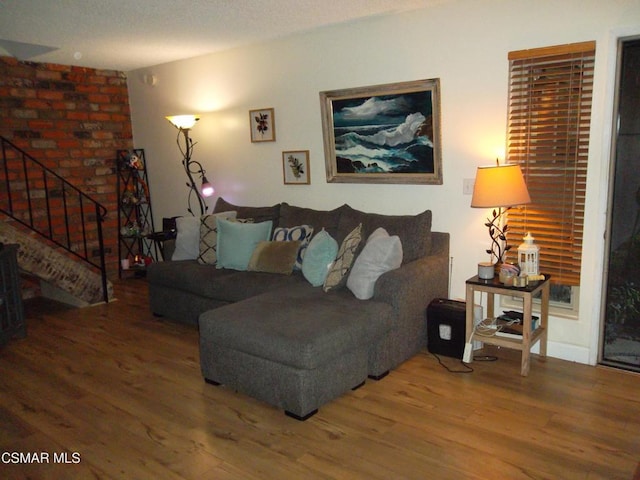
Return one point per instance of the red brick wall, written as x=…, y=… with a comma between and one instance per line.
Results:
x=73, y=120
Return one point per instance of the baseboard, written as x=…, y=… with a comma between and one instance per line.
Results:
x=566, y=351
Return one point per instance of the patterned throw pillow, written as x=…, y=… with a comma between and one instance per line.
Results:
x=337, y=276
x=301, y=233
x=209, y=237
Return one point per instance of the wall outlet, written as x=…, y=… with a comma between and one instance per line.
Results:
x=467, y=186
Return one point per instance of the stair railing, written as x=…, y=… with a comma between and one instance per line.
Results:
x=40, y=199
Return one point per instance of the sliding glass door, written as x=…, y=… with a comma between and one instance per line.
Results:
x=620, y=343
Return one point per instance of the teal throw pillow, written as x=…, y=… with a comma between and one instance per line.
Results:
x=319, y=257
x=237, y=241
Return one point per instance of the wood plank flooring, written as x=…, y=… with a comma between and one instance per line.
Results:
x=120, y=393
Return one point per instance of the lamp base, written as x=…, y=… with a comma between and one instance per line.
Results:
x=486, y=271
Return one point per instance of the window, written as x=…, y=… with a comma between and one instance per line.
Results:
x=550, y=92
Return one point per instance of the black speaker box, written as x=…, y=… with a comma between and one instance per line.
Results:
x=446, y=327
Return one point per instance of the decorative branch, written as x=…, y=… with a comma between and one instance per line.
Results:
x=498, y=234
x=187, y=163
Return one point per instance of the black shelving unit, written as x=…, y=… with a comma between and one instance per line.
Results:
x=135, y=217
x=12, y=321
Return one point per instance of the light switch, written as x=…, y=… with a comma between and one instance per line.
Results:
x=467, y=186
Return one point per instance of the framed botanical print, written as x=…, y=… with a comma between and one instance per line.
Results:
x=295, y=167
x=263, y=125
x=383, y=133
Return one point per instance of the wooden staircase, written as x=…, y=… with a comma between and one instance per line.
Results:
x=59, y=272
x=57, y=226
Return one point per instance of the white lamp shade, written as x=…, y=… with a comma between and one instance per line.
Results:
x=183, y=122
x=499, y=186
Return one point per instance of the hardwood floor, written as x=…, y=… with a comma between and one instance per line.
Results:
x=120, y=393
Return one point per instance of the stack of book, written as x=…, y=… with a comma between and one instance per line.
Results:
x=509, y=324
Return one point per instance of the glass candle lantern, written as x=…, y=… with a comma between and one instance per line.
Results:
x=529, y=256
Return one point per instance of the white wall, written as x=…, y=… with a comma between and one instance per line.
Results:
x=464, y=43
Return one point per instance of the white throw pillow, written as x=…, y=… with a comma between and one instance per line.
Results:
x=187, y=239
x=382, y=253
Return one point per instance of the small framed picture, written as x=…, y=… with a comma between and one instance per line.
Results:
x=295, y=167
x=263, y=125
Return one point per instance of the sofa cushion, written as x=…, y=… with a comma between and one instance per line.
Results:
x=299, y=233
x=382, y=253
x=291, y=216
x=224, y=285
x=414, y=230
x=321, y=253
x=339, y=271
x=274, y=257
x=238, y=240
x=208, y=243
x=301, y=326
x=257, y=214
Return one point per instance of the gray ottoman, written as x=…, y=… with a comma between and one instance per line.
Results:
x=294, y=348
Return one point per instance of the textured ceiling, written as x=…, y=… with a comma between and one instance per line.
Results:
x=130, y=34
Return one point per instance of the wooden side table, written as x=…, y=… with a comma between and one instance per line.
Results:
x=529, y=337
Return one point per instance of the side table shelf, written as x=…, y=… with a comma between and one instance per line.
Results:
x=12, y=321
x=529, y=336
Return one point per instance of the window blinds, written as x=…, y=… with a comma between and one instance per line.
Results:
x=550, y=91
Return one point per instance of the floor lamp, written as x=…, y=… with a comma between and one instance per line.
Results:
x=184, y=123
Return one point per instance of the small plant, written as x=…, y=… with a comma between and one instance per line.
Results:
x=296, y=166
x=262, y=121
x=624, y=304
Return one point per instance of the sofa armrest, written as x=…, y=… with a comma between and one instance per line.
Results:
x=410, y=288
x=419, y=281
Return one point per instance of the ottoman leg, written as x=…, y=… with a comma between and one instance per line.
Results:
x=300, y=418
x=358, y=386
x=379, y=377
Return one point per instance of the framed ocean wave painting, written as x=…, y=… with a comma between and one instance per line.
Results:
x=383, y=133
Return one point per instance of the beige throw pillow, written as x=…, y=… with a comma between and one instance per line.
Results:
x=274, y=257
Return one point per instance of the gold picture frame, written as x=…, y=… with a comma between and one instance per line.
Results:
x=383, y=133
x=262, y=123
x=295, y=167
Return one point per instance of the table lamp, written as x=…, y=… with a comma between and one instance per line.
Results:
x=499, y=187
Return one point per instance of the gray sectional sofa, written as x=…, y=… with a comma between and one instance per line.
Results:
x=281, y=340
